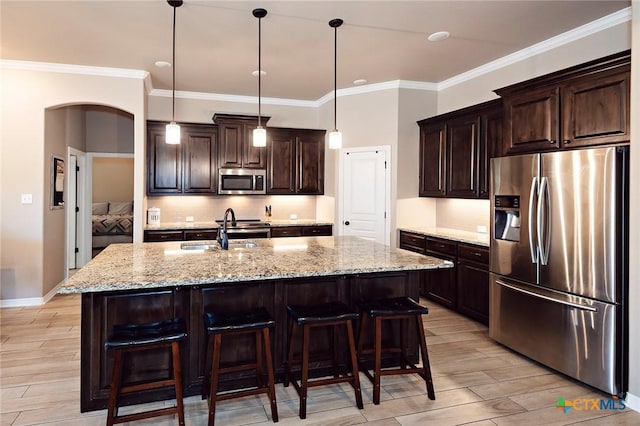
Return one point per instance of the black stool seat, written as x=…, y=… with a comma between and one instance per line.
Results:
x=257, y=318
x=393, y=306
x=130, y=335
x=333, y=311
x=131, y=338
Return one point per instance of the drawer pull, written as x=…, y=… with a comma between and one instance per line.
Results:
x=477, y=254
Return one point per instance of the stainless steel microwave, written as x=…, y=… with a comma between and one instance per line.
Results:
x=242, y=181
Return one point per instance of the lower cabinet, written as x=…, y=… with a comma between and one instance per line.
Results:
x=464, y=288
x=301, y=231
x=180, y=235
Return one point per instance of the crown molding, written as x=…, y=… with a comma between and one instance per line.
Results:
x=377, y=87
x=75, y=69
x=233, y=98
x=585, y=30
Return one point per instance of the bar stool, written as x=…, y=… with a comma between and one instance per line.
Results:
x=324, y=315
x=402, y=309
x=257, y=321
x=142, y=337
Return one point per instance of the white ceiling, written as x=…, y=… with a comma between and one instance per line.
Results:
x=216, y=41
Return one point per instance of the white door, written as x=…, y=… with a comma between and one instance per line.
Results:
x=365, y=193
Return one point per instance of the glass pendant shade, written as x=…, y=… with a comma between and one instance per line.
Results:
x=259, y=136
x=335, y=139
x=173, y=134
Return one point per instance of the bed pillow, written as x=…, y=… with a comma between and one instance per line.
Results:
x=99, y=208
x=125, y=207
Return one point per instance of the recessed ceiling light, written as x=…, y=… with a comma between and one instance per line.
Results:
x=440, y=35
x=359, y=82
x=163, y=64
x=262, y=73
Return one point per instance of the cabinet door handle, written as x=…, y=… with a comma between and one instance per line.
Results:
x=552, y=141
x=567, y=141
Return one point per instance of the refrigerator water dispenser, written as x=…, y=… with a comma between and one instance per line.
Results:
x=506, y=220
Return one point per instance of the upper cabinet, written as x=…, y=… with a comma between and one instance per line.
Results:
x=295, y=161
x=581, y=106
x=236, y=148
x=185, y=168
x=455, y=149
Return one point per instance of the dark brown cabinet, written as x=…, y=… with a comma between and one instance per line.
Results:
x=153, y=236
x=580, y=106
x=440, y=284
x=185, y=168
x=455, y=149
x=236, y=148
x=301, y=231
x=295, y=161
x=473, y=281
x=464, y=288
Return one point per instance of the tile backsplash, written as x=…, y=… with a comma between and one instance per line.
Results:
x=207, y=208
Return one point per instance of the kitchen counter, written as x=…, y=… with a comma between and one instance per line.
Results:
x=298, y=222
x=451, y=234
x=145, y=282
x=164, y=226
x=153, y=265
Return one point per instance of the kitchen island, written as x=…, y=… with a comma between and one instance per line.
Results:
x=144, y=282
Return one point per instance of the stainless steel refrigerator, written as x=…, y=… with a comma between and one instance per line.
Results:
x=559, y=254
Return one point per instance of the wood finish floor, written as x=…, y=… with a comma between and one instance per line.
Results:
x=477, y=382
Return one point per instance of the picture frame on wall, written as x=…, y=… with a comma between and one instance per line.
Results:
x=57, y=182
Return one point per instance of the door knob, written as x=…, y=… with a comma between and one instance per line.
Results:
x=346, y=222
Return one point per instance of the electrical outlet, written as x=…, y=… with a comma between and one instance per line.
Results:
x=481, y=229
x=189, y=219
x=27, y=198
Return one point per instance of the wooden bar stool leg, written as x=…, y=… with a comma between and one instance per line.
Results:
x=425, y=359
x=334, y=335
x=206, y=381
x=116, y=380
x=354, y=365
x=378, y=361
x=177, y=377
x=272, y=391
x=217, y=339
x=259, y=359
x=287, y=370
x=305, y=371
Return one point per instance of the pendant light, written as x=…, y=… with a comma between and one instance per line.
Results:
x=259, y=133
x=335, y=136
x=172, y=136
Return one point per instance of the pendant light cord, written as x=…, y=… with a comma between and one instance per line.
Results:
x=259, y=70
x=335, y=77
x=173, y=66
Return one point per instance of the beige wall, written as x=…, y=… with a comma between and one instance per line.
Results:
x=112, y=179
x=28, y=254
x=108, y=130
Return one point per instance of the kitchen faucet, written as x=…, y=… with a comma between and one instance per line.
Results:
x=223, y=239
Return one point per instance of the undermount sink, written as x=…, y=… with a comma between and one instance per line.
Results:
x=214, y=245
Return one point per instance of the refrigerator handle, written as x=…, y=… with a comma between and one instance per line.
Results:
x=544, y=236
x=532, y=195
x=550, y=299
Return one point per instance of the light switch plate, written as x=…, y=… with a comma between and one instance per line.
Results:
x=27, y=198
x=189, y=219
x=482, y=229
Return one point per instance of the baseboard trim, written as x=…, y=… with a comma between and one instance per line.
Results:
x=633, y=402
x=29, y=301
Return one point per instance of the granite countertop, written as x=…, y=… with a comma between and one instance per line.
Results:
x=166, y=226
x=153, y=265
x=297, y=222
x=451, y=234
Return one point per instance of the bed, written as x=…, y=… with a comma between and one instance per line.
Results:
x=112, y=222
